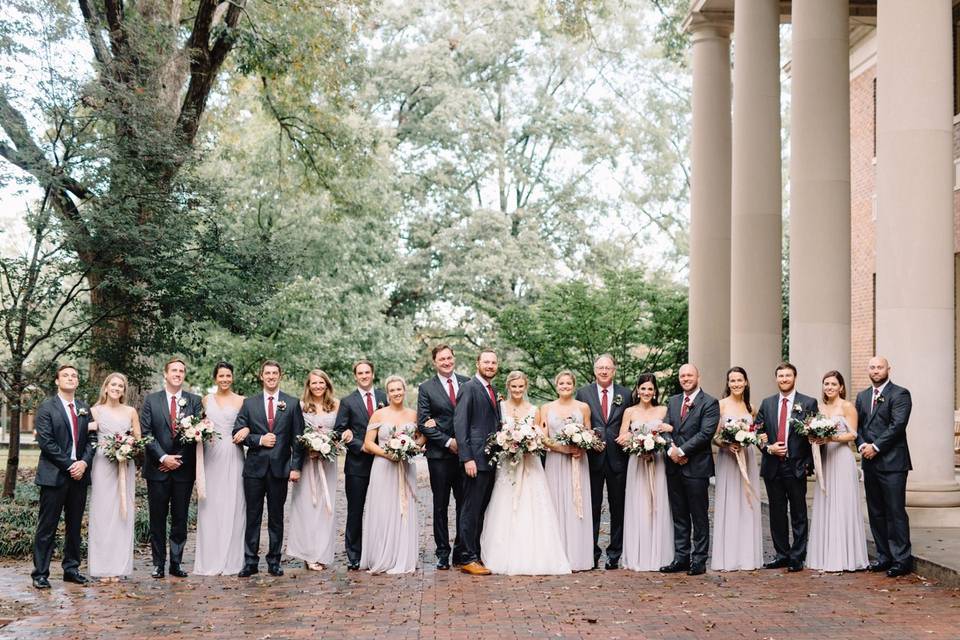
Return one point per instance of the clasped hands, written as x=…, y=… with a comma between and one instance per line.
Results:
x=430, y=423
x=867, y=451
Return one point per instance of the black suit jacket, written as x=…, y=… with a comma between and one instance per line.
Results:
x=885, y=427
x=799, y=459
x=155, y=421
x=433, y=401
x=353, y=415
x=55, y=439
x=286, y=453
x=612, y=457
x=693, y=434
x=474, y=419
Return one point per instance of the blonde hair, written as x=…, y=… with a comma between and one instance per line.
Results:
x=326, y=400
x=517, y=375
x=565, y=372
x=102, y=399
x=394, y=378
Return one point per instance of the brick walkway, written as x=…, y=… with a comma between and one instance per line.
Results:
x=432, y=604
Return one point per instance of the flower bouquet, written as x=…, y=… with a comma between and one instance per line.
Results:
x=645, y=443
x=742, y=432
x=402, y=447
x=120, y=448
x=324, y=445
x=512, y=442
x=575, y=434
x=197, y=430
x=818, y=427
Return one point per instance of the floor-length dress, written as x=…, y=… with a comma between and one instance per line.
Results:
x=313, y=518
x=521, y=533
x=568, y=480
x=221, y=516
x=837, y=540
x=647, y=521
x=737, y=539
x=110, y=548
x=390, y=521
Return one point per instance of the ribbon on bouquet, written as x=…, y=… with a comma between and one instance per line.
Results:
x=651, y=462
x=122, y=481
x=818, y=468
x=318, y=473
x=577, y=488
x=748, y=490
x=404, y=487
x=201, y=476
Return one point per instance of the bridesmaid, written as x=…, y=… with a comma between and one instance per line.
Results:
x=647, y=523
x=837, y=538
x=390, y=523
x=736, y=507
x=111, y=531
x=221, y=516
x=564, y=462
x=313, y=516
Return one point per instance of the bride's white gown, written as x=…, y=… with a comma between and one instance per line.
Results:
x=521, y=533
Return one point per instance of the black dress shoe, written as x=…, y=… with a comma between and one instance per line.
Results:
x=157, y=572
x=248, y=571
x=877, y=567
x=275, y=570
x=443, y=564
x=675, y=567
x=353, y=566
x=697, y=569
x=175, y=570
x=612, y=565
x=793, y=567
x=75, y=577
x=779, y=563
x=40, y=582
x=897, y=570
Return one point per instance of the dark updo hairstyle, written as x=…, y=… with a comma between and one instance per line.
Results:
x=647, y=377
x=839, y=377
x=746, y=389
x=223, y=364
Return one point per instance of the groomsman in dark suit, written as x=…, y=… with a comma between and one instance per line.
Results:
x=694, y=416
x=786, y=462
x=169, y=466
x=63, y=475
x=607, y=402
x=883, y=410
x=355, y=411
x=436, y=401
x=273, y=457
x=476, y=416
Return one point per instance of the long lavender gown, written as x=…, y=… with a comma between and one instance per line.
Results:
x=313, y=519
x=110, y=549
x=837, y=541
x=647, y=521
x=573, y=508
x=221, y=516
x=390, y=520
x=736, y=513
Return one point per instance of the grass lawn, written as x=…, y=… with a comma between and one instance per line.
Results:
x=28, y=458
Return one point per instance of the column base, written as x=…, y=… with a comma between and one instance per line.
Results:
x=934, y=517
x=934, y=504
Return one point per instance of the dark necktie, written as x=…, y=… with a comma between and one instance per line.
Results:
x=873, y=405
x=453, y=396
x=270, y=414
x=173, y=414
x=76, y=430
x=604, y=405
x=685, y=408
x=782, y=424
x=369, y=404
x=493, y=396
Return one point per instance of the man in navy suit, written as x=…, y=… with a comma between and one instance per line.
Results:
x=883, y=410
x=436, y=401
x=273, y=457
x=63, y=475
x=352, y=417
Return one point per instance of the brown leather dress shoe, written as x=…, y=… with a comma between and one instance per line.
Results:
x=475, y=569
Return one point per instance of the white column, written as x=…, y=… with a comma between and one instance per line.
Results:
x=709, y=323
x=820, y=191
x=915, y=288
x=755, y=313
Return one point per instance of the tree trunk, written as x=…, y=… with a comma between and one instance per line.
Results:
x=13, y=452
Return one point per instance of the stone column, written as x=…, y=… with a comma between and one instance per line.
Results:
x=709, y=328
x=820, y=192
x=915, y=305
x=755, y=314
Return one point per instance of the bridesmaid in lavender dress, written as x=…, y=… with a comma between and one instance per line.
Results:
x=647, y=522
x=567, y=471
x=110, y=548
x=221, y=515
x=736, y=506
x=391, y=530
x=838, y=541
x=313, y=516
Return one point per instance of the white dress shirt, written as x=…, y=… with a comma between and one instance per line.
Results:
x=66, y=409
x=877, y=391
x=168, y=396
x=266, y=405
x=691, y=396
x=456, y=389
x=791, y=398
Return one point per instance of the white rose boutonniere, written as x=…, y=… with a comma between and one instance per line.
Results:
x=880, y=400
x=380, y=404
x=281, y=405
x=617, y=400
x=82, y=411
x=797, y=408
x=182, y=402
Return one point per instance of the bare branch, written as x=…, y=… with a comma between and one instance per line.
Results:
x=93, y=25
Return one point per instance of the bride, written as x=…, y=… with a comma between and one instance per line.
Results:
x=521, y=534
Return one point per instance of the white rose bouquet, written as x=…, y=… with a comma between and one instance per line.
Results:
x=195, y=429
x=574, y=434
x=325, y=444
x=738, y=431
x=120, y=448
x=818, y=426
x=402, y=444
x=512, y=442
x=645, y=443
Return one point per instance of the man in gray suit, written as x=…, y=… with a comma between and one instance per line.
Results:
x=883, y=410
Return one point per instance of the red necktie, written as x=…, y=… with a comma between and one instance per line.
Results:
x=270, y=414
x=369, y=404
x=873, y=405
x=782, y=425
x=493, y=396
x=685, y=408
x=603, y=403
x=76, y=429
x=173, y=414
x=453, y=396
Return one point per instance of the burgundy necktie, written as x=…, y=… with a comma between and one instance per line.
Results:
x=270, y=414
x=873, y=405
x=782, y=425
x=603, y=403
x=369, y=404
x=685, y=408
x=76, y=428
x=453, y=396
x=493, y=396
x=173, y=414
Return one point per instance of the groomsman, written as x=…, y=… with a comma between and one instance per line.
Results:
x=169, y=466
x=883, y=411
x=436, y=401
x=786, y=462
x=476, y=416
x=273, y=457
x=63, y=475
x=607, y=402
x=694, y=416
x=355, y=411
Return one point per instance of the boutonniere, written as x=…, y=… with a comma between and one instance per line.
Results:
x=797, y=408
x=281, y=405
x=380, y=404
x=881, y=400
x=499, y=397
x=82, y=411
x=182, y=403
x=617, y=400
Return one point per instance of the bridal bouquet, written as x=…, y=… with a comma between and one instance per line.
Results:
x=326, y=444
x=818, y=426
x=121, y=447
x=575, y=434
x=645, y=443
x=512, y=442
x=196, y=429
x=739, y=431
x=401, y=443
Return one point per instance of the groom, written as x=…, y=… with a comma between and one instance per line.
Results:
x=883, y=410
x=475, y=417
